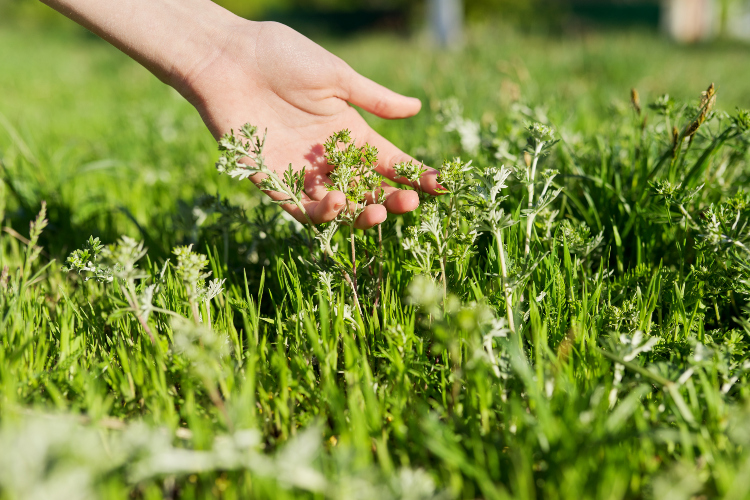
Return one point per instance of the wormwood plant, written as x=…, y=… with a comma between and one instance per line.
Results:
x=234, y=149
x=191, y=270
x=446, y=232
x=541, y=140
x=118, y=262
x=487, y=194
x=610, y=359
x=353, y=174
x=105, y=264
x=473, y=204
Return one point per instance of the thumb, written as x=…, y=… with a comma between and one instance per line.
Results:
x=379, y=100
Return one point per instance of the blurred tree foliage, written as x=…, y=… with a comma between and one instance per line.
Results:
x=516, y=11
x=475, y=9
x=261, y=8
x=257, y=8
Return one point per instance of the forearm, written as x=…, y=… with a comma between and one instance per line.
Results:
x=171, y=38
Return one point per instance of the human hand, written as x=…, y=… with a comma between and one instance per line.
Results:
x=236, y=71
x=270, y=75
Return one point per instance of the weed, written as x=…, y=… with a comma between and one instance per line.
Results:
x=568, y=318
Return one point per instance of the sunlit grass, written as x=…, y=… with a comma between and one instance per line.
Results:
x=624, y=374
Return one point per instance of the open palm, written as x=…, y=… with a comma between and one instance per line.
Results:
x=273, y=77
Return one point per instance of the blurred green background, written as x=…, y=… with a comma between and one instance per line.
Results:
x=349, y=15
x=264, y=9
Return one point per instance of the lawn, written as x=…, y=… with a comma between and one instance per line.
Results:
x=590, y=344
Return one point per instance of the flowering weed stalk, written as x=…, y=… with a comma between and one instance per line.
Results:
x=353, y=174
x=487, y=194
x=447, y=229
x=541, y=139
x=190, y=269
x=707, y=103
x=118, y=261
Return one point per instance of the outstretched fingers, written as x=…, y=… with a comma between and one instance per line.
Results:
x=397, y=201
x=319, y=206
x=327, y=209
x=378, y=100
x=371, y=216
x=319, y=211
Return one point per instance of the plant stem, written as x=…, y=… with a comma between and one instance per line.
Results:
x=445, y=286
x=281, y=187
x=354, y=255
x=353, y=286
x=443, y=256
x=134, y=306
x=353, y=279
x=506, y=289
x=380, y=265
x=216, y=399
x=207, y=303
x=530, y=188
x=194, y=309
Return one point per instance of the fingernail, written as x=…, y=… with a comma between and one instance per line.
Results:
x=338, y=206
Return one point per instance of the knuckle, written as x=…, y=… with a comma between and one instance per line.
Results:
x=381, y=105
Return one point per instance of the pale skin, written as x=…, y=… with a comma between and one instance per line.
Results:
x=236, y=71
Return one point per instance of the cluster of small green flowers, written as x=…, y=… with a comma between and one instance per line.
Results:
x=541, y=133
x=190, y=268
x=410, y=171
x=353, y=172
x=104, y=263
x=233, y=149
x=454, y=175
x=86, y=260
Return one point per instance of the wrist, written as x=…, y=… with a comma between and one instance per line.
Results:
x=220, y=70
x=190, y=63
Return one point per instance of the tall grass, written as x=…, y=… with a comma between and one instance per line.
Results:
x=608, y=360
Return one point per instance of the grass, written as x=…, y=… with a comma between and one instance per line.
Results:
x=625, y=376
